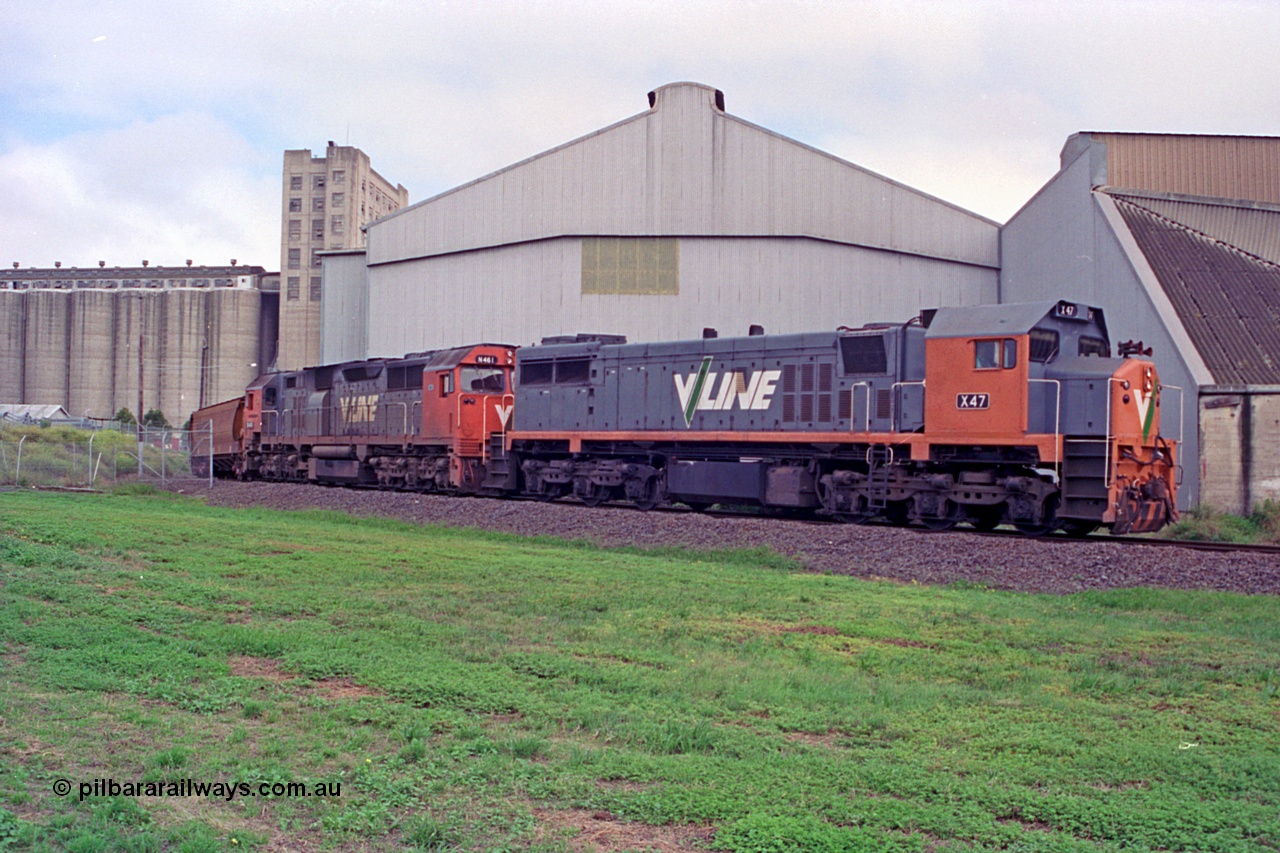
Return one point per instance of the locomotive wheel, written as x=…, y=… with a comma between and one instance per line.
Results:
x=1046, y=524
x=652, y=495
x=947, y=520
x=592, y=494
x=860, y=514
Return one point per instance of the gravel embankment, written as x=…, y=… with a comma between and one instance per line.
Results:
x=872, y=551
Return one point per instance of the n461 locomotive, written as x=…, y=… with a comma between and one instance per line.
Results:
x=989, y=415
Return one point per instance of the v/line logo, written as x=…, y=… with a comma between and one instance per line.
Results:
x=697, y=391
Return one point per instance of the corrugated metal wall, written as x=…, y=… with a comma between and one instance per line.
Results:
x=1220, y=166
x=518, y=294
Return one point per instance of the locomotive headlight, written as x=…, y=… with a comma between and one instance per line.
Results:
x=1126, y=399
x=1125, y=386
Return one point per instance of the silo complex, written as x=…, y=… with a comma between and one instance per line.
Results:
x=88, y=339
x=12, y=341
x=91, y=352
x=45, y=344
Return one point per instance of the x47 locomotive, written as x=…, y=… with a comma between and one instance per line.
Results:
x=996, y=414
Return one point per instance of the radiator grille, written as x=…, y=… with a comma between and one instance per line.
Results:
x=884, y=403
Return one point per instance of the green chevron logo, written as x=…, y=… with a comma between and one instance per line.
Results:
x=689, y=396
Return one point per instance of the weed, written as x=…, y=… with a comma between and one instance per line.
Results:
x=427, y=833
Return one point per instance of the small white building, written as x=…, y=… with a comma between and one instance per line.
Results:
x=679, y=218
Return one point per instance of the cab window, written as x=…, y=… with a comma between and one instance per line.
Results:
x=1094, y=346
x=446, y=384
x=986, y=355
x=1044, y=345
x=482, y=379
x=994, y=355
x=1010, y=359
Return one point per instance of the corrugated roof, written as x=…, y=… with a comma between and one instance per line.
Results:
x=33, y=412
x=1250, y=226
x=1227, y=299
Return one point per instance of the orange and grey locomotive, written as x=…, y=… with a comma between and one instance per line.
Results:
x=1012, y=414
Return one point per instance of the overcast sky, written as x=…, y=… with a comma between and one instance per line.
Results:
x=133, y=130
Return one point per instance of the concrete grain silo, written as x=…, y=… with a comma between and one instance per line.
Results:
x=138, y=324
x=12, y=339
x=232, y=357
x=181, y=350
x=90, y=379
x=46, y=337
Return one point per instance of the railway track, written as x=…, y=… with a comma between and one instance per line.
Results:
x=1094, y=538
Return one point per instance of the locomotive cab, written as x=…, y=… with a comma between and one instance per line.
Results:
x=1035, y=385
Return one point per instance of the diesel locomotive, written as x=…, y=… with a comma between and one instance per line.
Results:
x=987, y=415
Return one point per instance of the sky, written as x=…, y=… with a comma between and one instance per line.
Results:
x=132, y=130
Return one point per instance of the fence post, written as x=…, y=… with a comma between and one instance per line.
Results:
x=91, y=436
x=164, y=440
x=18, y=474
x=211, y=453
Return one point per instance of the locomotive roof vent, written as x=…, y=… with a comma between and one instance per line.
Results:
x=926, y=316
x=755, y=330
x=709, y=332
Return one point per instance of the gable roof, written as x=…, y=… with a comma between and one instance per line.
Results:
x=685, y=168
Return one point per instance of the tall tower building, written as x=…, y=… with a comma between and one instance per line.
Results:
x=324, y=202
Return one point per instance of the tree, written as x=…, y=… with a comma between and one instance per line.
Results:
x=125, y=416
x=155, y=419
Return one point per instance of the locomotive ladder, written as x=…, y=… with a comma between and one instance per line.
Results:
x=879, y=461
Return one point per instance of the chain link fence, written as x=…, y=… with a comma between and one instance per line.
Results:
x=64, y=457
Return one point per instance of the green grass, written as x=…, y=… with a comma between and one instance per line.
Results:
x=475, y=691
x=1205, y=524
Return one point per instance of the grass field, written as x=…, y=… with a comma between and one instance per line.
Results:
x=474, y=691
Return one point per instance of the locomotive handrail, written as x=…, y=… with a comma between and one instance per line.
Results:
x=896, y=388
x=853, y=407
x=1057, y=421
x=1110, y=450
x=510, y=412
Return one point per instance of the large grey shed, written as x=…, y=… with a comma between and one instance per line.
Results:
x=679, y=218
